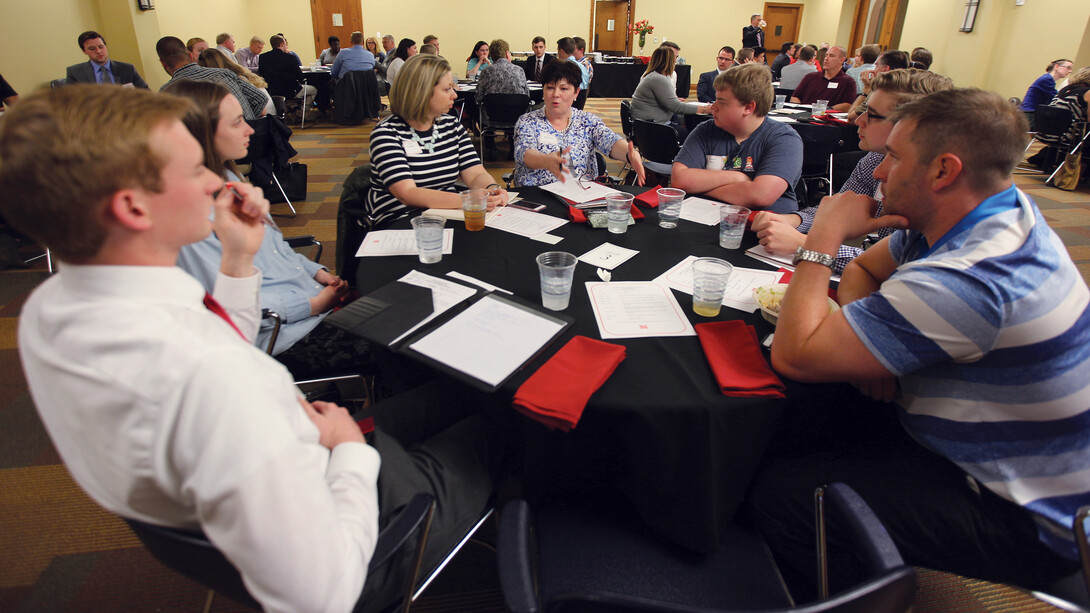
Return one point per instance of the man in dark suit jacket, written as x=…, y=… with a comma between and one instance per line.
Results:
x=101, y=69
x=753, y=35
x=536, y=62
x=281, y=69
x=705, y=86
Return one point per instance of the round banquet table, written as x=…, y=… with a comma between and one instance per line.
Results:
x=659, y=430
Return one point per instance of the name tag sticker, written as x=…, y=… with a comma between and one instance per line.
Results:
x=547, y=139
x=411, y=147
x=834, y=85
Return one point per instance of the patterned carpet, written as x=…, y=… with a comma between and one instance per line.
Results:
x=61, y=552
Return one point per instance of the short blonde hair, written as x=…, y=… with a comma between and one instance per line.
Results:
x=905, y=84
x=748, y=83
x=65, y=152
x=214, y=58
x=411, y=95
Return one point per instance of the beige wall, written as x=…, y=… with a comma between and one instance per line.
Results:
x=1008, y=49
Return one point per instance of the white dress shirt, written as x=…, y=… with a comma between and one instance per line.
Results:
x=163, y=414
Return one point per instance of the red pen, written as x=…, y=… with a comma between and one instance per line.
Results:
x=267, y=219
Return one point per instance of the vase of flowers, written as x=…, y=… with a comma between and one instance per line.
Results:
x=643, y=28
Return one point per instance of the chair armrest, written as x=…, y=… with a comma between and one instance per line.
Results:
x=408, y=521
x=872, y=540
x=277, y=322
x=305, y=240
x=515, y=557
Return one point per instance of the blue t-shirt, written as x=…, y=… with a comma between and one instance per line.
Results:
x=989, y=332
x=773, y=149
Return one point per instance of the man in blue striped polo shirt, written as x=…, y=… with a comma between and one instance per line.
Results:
x=973, y=320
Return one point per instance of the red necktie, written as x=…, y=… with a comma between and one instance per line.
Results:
x=211, y=304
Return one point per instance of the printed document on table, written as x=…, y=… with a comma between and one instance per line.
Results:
x=397, y=242
x=444, y=294
x=608, y=256
x=759, y=253
x=632, y=309
x=572, y=190
x=701, y=210
x=740, y=284
x=489, y=340
x=523, y=222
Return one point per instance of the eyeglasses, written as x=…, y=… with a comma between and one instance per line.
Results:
x=725, y=59
x=872, y=116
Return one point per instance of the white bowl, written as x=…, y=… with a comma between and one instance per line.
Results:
x=765, y=295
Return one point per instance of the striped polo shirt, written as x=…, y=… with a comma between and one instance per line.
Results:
x=431, y=159
x=989, y=332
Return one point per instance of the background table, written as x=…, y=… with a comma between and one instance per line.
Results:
x=659, y=429
x=619, y=80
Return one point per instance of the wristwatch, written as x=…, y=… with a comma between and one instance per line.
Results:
x=805, y=255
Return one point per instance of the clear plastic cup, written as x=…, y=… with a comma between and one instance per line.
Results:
x=710, y=276
x=429, y=238
x=556, y=269
x=618, y=212
x=781, y=100
x=474, y=208
x=820, y=106
x=670, y=200
x=732, y=225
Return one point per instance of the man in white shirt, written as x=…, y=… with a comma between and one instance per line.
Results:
x=159, y=406
x=225, y=44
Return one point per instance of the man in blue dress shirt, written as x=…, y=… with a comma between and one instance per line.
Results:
x=355, y=57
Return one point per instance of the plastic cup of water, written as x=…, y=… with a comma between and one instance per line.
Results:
x=429, y=238
x=670, y=199
x=732, y=225
x=557, y=269
x=618, y=212
x=710, y=277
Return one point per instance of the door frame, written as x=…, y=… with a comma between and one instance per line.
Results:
x=889, y=33
x=628, y=25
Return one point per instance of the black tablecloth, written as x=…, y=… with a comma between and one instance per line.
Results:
x=659, y=429
x=620, y=80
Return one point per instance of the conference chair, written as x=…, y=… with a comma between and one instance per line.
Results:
x=577, y=555
x=356, y=98
x=269, y=153
x=1051, y=124
x=500, y=112
x=658, y=144
x=1072, y=593
x=819, y=143
x=193, y=555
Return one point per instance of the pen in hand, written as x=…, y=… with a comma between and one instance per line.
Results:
x=266, y=219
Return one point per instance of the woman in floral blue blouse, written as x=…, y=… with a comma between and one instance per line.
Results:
x=557, y=138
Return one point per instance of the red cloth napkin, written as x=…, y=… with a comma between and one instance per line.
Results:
x=367, y=425
x=558, y=392
x=580, y=216
x=650, y=197
x=735, y=356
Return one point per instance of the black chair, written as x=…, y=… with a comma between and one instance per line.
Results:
x=191, y=554
x=55, y=83
x=783, y=91
x=1051, y=124
x=269, y=153
x=819, y=143
x=574, y=555
x=499, y=112
x=658, y=144
x=1072, y=593
x=356, y=98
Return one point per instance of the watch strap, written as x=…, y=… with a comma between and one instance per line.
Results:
x=817, y=257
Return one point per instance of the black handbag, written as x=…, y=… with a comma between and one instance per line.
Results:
x=293, y=182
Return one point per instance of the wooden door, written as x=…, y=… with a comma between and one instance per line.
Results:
x=322, y=14
x=615, y=41
x=878, y=22
x=784, y=22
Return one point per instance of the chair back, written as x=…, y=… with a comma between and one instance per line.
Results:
x=55, y=83
x=626, y=119
x=356, y=97
x=280, y=107
x=501, y=111
x=1052, y=120
x=193, y=555
x=656, y=141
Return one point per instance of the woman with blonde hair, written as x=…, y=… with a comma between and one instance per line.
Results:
x=420, y=151
x=655, y=98
x=372, y=45
x=211, y=58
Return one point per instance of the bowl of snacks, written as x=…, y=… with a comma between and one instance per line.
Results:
x=769, y=298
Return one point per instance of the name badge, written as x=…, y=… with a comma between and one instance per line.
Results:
x=547, y=139
x=411, y=147
x=834, y=85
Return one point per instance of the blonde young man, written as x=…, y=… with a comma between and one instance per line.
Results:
x=161, y=408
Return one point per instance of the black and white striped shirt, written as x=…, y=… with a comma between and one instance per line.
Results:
x=432, y=160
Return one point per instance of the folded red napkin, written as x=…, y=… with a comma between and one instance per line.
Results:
x=650, y=197
x=735, y=356
x=831, y=119
x=580, y=216
x=558, y=392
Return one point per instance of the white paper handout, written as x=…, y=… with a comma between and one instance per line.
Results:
x=444, y=294
x=523, y=222
x=758, y=252
x=631, y=309
x=397, y=242
x=488, y=340
x=740, y=285
x=608, y=256
x=701, y=210
x=576, y=192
